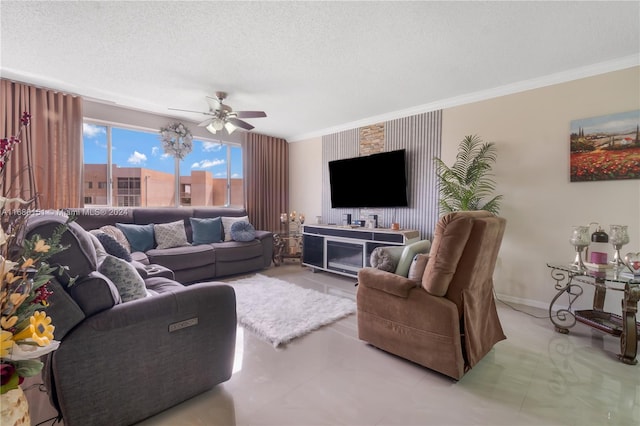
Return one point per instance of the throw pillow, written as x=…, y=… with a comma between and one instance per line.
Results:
x=227, y=222
x=139, y=236
x=206, y=230
x=124, y=276
x=118, y=235
x=242, y=231
x=101, y=253
x=385, y=258
x=112, y=247
x=418, y=264
x=170, y=234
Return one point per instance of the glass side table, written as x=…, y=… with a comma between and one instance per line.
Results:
x=286, y=246
x=569, y=280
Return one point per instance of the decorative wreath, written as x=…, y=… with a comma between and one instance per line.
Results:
x=176, y=140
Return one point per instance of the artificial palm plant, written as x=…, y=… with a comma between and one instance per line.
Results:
x=468, y=183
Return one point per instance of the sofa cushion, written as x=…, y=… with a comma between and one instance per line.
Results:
x=242, y=231
x=117, y=234
x=112, y=247
x=235, y=250
x=139, y=236
x=94, y=293
x=129, y=283
x=179, y=258
x=170, y=235
x=227, y=221
x=206, y=231
x=79, y=258
x=449, y=240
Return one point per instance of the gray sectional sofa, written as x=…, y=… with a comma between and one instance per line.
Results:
x=123, y=359
x=192, y=263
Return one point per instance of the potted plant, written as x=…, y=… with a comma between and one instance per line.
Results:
x=468, y=183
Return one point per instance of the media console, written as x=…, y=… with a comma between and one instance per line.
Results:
x=346, y=249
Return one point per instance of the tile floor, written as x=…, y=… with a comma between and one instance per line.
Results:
x=329, y=377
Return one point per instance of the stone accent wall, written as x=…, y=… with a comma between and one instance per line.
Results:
x=371, y=139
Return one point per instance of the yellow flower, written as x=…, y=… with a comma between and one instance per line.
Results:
x=17, y=299
x=27, y=263
x=39, y=329
x=8, y=322
x=41, y=247
x=6, y=343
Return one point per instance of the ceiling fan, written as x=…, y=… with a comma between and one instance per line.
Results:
x=223, y=117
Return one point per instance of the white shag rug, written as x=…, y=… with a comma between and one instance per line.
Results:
x=278, y=311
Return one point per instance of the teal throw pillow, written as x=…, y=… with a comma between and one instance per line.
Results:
x=206, y=230
x=125, y=277
x=139, y=236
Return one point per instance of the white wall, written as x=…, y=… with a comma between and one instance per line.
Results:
x=305, y=178
x=531, y=131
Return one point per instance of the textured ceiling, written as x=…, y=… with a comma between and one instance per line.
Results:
x=311, y=66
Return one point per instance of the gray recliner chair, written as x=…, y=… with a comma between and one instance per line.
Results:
x=121, y=362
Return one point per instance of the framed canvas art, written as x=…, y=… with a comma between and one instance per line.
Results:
x=606, y=147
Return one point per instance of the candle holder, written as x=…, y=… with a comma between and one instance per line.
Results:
x=618, y=236
x=579, y=240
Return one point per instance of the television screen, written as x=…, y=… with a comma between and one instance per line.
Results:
x=377, y=180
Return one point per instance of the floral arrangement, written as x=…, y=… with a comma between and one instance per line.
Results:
x=26, y=332
x=176, y=140
x=7, y=144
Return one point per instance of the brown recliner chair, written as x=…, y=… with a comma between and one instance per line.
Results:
x=447, y=321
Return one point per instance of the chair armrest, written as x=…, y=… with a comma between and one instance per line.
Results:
x=387, y=282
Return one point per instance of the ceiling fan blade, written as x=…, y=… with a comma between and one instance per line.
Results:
x=250, y=114
x=188, y=110
x=205, y=122
x=239, y=123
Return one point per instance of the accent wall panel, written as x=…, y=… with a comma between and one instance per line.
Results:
x=336, y=147
x=420, y=135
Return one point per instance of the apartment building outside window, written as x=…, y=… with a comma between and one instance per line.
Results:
x=131, y=169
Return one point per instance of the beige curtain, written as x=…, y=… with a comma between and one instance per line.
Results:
x=48, y=161
x=267, y=180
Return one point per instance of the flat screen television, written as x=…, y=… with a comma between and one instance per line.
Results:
x=376, y=180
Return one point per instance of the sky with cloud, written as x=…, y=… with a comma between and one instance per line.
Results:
x=133, y=148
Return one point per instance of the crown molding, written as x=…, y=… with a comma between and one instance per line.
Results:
x=508, y=89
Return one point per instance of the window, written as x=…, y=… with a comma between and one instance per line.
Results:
x=142, y=175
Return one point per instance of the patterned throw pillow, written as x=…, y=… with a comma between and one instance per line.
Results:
x=112, y=247
x=117, y=234
x=242, y=231
x=206, y=230
x=228, y=221
x=170, y=235
x=129, y=283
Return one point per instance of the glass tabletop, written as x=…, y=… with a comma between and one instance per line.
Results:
x=620, y=274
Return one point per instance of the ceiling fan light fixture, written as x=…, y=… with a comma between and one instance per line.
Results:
x=218, y=123
x=230, y=127
x=211, y=128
